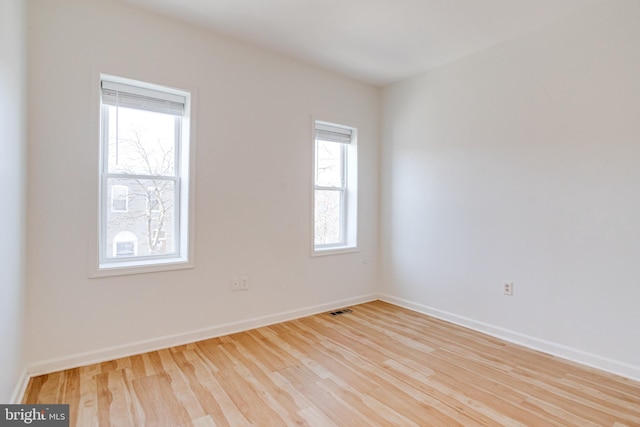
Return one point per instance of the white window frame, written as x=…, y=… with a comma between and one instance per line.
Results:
x=348, y=190
x=183, y=256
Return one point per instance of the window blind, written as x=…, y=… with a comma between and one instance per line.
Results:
x=327, y=132
x=122, y=95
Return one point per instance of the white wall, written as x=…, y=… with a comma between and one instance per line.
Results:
x=253, y=120
x=12, y=177
x=522, y=163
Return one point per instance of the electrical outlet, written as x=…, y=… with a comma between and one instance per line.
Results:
x=508, y=288
x=244, y=283
x=235, y=284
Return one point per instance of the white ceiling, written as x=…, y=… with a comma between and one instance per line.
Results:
x=377, y=41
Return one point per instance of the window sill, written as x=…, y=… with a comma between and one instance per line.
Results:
x=334, y=251
x=125, y=269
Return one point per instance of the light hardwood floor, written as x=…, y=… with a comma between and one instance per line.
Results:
x=380, y=365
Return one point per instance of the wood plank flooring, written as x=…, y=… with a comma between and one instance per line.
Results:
x=378, y=366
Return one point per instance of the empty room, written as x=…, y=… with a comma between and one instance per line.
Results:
x=286, y=212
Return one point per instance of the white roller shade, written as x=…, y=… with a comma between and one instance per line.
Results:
x=327, y=132
x=123, y=95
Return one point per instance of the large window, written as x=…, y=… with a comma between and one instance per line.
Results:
x=144, y=173
x=335, y=188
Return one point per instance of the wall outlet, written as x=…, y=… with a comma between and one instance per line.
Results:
x=508, y=288
x=235, y=284
x=244, y=283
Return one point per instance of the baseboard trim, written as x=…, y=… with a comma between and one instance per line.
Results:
x=82, y=359
x=21, y=387
x=116, y=352
x=568, y=353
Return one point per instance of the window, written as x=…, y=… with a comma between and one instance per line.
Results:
x=119, y=198
x=125, y=243
x=144, y=173
x=335, y=188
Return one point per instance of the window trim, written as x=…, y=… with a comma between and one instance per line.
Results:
x=184, y=214
x=349, y=204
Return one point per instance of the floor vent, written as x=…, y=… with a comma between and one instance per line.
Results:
x=339, y=312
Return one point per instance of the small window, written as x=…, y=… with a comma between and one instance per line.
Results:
x=143, y=174
x=119, y=198
x=335, y=188
x=125, y=244
x=125, y=249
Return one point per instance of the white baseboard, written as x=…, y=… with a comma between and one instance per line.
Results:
x=87, y=358
x=103, y=355
x=21, y=387
x=574, y=355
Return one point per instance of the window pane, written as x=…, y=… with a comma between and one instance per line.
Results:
x=141, y=142
x=329, y=164
x=327, y=217
x=148, y=221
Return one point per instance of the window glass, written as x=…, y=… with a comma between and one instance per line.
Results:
x=330, y=164
x=328, y=206
x=141, y=142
